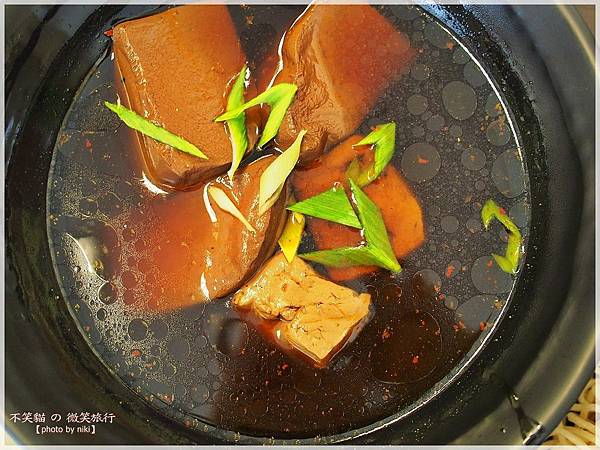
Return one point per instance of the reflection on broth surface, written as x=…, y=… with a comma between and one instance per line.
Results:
x=207, y=363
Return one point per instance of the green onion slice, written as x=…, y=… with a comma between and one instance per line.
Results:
x=144, y=126
x=510, y=261
x=278, y=97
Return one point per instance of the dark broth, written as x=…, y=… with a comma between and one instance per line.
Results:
x=205, y=364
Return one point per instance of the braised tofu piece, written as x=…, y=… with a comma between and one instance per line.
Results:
x=195, y=259
x=177, y=68
x=315, y=316
x=399, y=207
x=341, y=57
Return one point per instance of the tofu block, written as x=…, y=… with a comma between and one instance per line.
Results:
x=399, y=207
x=342, y=58
x=315, y=316
x=177, y=68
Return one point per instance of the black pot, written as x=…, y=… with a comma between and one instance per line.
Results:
x=518, y=387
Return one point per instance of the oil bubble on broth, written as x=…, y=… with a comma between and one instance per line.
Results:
x=205, y=365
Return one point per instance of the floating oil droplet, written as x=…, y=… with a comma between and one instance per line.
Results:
x=101, y=314
x=488, y=278
x=498, y=132
x=460, y=56
x=391, y=292
x=158, y=328
x=475, y=313
x=451, y=302
x=473, y=225
x=107, y=294
x=473, y=74
x=137, y=329
x=426, y=283
x=438, y=36
x=449, y=224
x=416, y=104
x=507, y=174
x=129, y=279
x=435, y=122
x=493, y=108
x=519, y=213
x=178, y=348
x=473, y=159
x=420, y=162
x=228, y=335
x=420, y=72
x=459, y=100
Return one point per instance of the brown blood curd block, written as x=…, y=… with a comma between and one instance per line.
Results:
x=177, y=67
x=194, y=259
x=341, y=57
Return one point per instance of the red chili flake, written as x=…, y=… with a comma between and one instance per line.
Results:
x=136, y=353
x=482, y=326
x=450, y=270
x=461, y=325
x=386, y=334
x=284, y=366
x=455, y=327
x=415, y=359
x=421, y=160
x=502, y=210
x=450, y=45
x=442, y=297
x=108, y=33
x=88, y=144
x=490, y=263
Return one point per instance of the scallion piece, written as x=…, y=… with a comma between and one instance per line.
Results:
x=237, y=125
x=383, y=138
x=224, y=202
x=374, y=229
x=278, y=97
x=144, y=126
x=376, y=251
x=510, y=261
x=292, y=235
x=332, y=205
x=273, y=178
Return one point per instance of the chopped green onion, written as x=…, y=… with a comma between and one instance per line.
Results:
x=144, y=126
x=224, y=202
x=510, y=261
x=374, y=229
x=237, y=125
x=278, y=97
x=342, y=257
x=273, y=178
x=377, y=251
x=332, y=205
x=291, y=235
x=384, y=140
